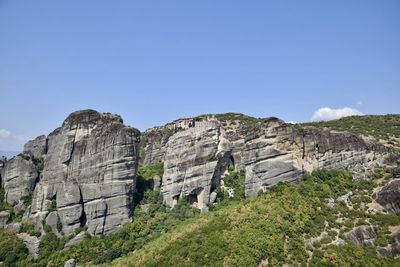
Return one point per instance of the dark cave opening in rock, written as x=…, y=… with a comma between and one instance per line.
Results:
x=192, y=198
x=231, y=163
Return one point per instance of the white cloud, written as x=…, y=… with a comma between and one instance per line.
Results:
x=326, y=114
x=4, y=133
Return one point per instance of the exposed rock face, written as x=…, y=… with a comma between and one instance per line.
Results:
x=89, y=173
x=195, y=160
x=37, y=147
x=389, y=196
x=13, y=228
x=153, y=145
x=393, y=249
x=75, y=241
x=363, y=235
x=275, y=152
x=4, y=216
x=3, y=161
x=19, y=177
x=270, y=156
x=70, y=263
x=32, y=244
x=269, y=151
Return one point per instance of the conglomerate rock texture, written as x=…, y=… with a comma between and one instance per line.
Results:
x=37, y=147
x=270, y=152
x=389, y=196
x=89, y=173
x=152, y=145
x=83, y=173
x=18, y=177
x=195, y=160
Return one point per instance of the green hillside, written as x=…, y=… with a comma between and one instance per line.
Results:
x=271, y=229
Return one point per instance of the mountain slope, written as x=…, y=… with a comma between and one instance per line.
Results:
x=290, y=224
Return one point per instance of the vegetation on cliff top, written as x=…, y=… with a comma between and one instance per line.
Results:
x=231, y=116
x=383, y=127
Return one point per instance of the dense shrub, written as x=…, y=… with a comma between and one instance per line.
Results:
x=12, y=250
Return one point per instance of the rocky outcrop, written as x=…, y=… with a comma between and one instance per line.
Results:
x=75, y=241
x=195, y=160
x=269, y=151
x=37, y=147
x=363, y=235
x=4, y=216
x=389, y=196
x=19, y=177
x=153, y=145
x=392, y=250
x=3, y=161
x=89, y=173
x=32, y=244
x=70, y=263
x=277, y=152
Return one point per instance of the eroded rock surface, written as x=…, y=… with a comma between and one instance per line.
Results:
x=389, y=196
x=89, y=173
x=363, y=235
x=4, y=216
x=32, y=244
x=275, y=152
x=393, y=249
x=270, y=152
x=37, y=147
x=195, y=160
x=18, y=177
x=153, y=145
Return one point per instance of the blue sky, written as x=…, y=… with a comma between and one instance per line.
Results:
x=155, y=61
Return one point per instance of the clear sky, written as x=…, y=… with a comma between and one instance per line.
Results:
x=154, y=61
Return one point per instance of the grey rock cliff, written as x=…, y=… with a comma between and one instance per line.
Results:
x=18, y=177
x=389, y=196
x=270, y=152
x=363, y=235
x=195, y=160
x=277, y=152
x=153, y=145
x=37, y=147
x=89, y=173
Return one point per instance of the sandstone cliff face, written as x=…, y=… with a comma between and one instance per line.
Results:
x=277, y=152
x=389, y=196
x=270, y=152
x=195, y=160
x=153, y=145
x=37, y=147
x=89, y=173
x=18, y=177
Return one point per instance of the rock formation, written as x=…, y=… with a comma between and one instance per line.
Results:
x=195, y=160
x=32, y=244
x=152, y=144
x=18, y=177
x=363, y=235
x=389, y=196
x=82, y=174
x=37, y=147
x=89, y=173
x=270, y=151
x=277, y=152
